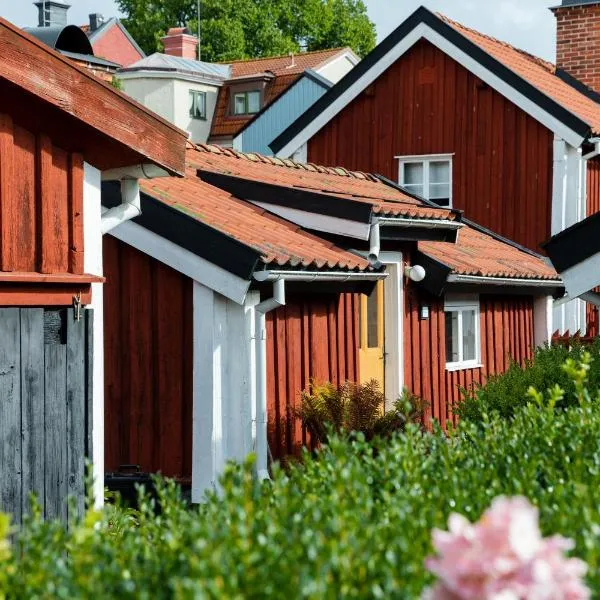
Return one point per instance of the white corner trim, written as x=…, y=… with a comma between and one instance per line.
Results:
x=543, y=312
x=319, y=222
x=423, y=31
x=183, y=261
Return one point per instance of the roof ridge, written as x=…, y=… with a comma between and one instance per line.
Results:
x=283, y=162
x=540, y=61
x=296, y=55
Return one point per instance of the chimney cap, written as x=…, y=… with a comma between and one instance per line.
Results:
x=178, y=31
x=573, y=3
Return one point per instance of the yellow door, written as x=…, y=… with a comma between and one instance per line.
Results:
x=371, y=337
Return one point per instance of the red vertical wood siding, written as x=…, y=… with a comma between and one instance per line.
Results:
x=593, y=206
x=148, y=363
x=41, y=204
x=506, y=324
x=426, y=103
x=311, y=338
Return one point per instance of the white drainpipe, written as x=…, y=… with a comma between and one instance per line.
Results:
x=130, y=206
x=374, y=244
x=277, y=300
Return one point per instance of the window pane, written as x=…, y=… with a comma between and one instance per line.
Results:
x=468, y=329
x=201, y=104
x=440, y=193
x=239, y=104
x=413, y=174
x=414, y=189
x=192, y=104
x=372, y=318
x=439, y=171
x=452, y=341
x=253, y=102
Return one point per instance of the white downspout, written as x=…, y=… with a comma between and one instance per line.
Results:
x=130, y=206
x=278, y=299
x=374, y=243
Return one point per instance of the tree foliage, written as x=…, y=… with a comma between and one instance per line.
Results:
x=237, y=29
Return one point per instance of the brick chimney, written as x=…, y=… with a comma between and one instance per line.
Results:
x=52, y=13
x=179, y=42
x=578, y=40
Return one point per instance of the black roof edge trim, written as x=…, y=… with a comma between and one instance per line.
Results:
x=578, y=85
x=423, y=15
x=458, y=214
x=556, y=291
x=436, y=278
x=301, y=199
x=189, y=233
x=574, y=244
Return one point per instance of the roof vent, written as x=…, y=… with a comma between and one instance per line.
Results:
x=52, y=13
x=96, y=21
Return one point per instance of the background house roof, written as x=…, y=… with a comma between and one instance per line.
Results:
x=176, y=64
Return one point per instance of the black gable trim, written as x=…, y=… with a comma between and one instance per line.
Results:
x=578, y=85
x=576, y=243
x=188, y=233
x=423, y=15
x=301, y=199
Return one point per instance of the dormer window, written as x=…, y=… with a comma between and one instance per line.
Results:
x=428, y=176
x=197, y=104
x=246, y=103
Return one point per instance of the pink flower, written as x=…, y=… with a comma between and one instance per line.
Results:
x=504, y=557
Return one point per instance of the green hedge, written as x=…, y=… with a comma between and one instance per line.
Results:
x=353, y=521
x=507, y=392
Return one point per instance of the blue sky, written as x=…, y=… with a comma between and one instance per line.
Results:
x=527, y=24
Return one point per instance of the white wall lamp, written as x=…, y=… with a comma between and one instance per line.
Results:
x=415, y=273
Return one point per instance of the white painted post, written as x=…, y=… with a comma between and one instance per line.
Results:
x=92, y=264
x=543, y=320
x=559, y=185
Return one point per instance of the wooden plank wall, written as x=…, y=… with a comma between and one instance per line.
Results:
x=312, y=337
x=506, y=333
x=44, y=410
x=41, y=204
x=148, y=363
x=593, y=206
x=426, y=103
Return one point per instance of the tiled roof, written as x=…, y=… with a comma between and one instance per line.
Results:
x=537, y=72
x=352, y=185
x=279, y=242
x=479, y=254
x=285, y=65
x=225, y=124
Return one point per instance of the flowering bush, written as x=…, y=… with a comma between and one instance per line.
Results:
x=504, y=556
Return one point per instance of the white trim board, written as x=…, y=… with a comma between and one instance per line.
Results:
x=423, y=31
x=582, y=277
x=197, y=268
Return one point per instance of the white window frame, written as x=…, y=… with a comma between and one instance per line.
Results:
x=195, y=94
x=246, y=95
x=425, y=160
x=460, y=305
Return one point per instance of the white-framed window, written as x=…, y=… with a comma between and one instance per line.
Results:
x=197, y=104
x=246, y=103
x=463, y=333
x=428, y=176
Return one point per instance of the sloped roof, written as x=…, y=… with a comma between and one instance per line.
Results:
x=482, y=255
x=279, y=242
x=176, y=64
x=540, y=73
x=286, y=71
x=335, y=181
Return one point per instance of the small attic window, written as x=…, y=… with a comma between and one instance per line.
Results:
x=197, y=105
x=428, y=176
x=246, y=103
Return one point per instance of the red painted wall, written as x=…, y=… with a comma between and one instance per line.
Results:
x=312, y=337
x=506, y=324
x=426, y=103
x=114, y=45
x=148, y=363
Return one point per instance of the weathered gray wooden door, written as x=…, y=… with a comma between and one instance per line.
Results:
x=45, y=409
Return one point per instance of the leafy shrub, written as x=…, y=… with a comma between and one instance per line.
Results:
x=353, y=520
x=354, y=407
x=507, y=392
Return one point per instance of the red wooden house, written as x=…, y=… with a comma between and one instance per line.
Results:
x=468, y=121
x=61, y=131
x=263, y=274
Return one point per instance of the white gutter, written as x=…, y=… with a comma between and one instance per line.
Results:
x=277, y=300
x=130, y=206
x=596, y=151
x=504, y=281
x=308, y=276
x=421, y=223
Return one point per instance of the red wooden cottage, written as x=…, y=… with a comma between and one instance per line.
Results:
x=223, y=271
x=62, y=130
x=468, y=121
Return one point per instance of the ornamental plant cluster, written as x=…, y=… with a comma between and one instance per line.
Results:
x=352, y=520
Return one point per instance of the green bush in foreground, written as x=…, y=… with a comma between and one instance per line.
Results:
x=507, y=392
x=354, y=521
